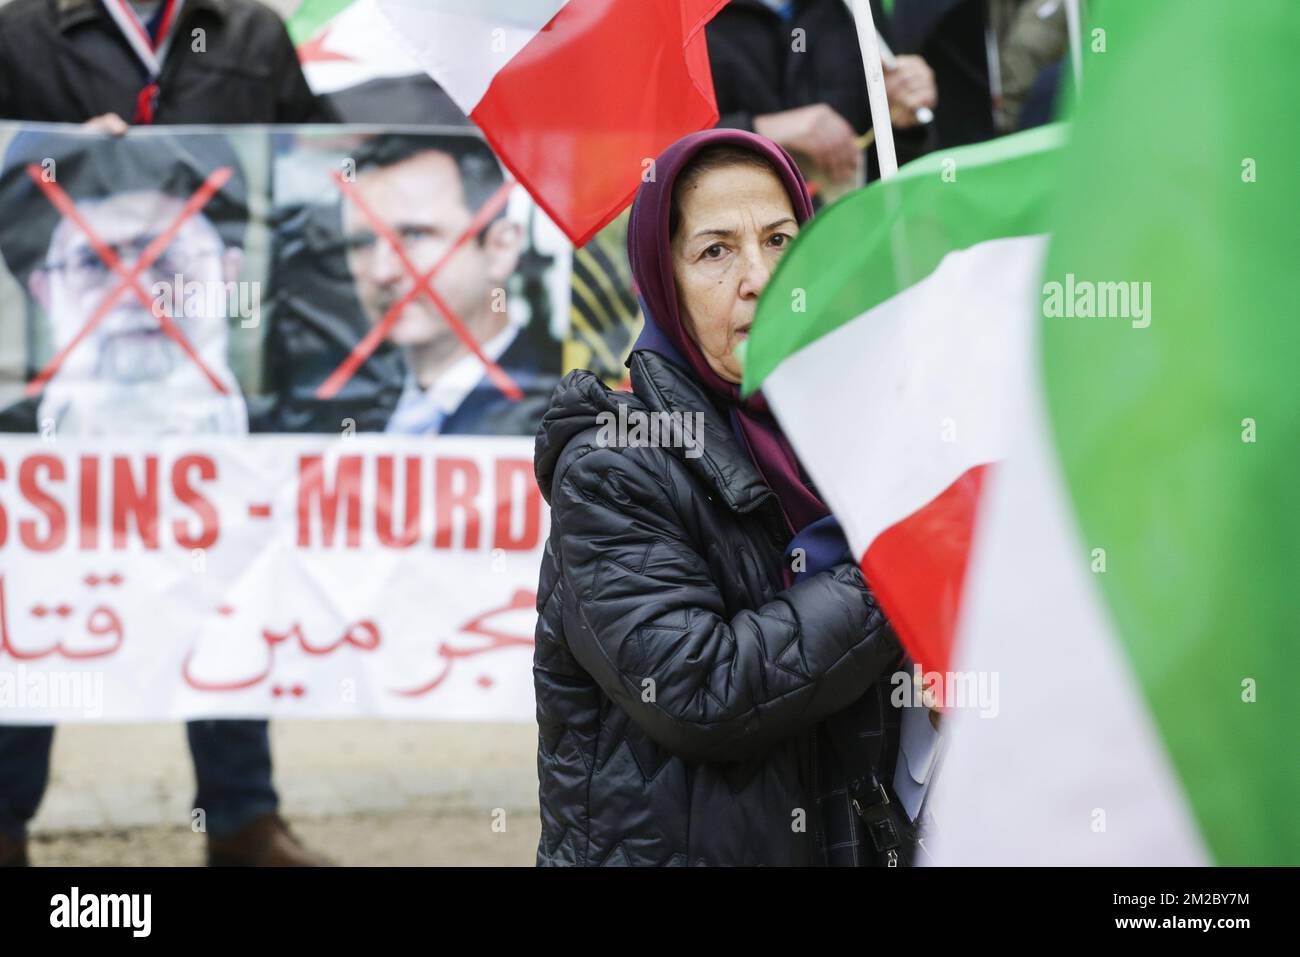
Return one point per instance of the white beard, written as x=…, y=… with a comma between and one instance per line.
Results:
x=95, y=409
x=148, y=388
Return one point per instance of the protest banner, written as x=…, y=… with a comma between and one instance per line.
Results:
x=266, y=408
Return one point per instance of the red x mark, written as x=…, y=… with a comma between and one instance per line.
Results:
x=130, y=278
x=422, y=287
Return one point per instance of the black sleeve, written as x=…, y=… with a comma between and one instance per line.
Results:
x=736, y=120
x=743, y=60
x=650, y=626
x=294, y=100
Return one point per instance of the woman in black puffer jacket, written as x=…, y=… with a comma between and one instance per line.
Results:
x=695, y=690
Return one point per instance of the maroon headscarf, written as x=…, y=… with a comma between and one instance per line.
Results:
x=649, y=251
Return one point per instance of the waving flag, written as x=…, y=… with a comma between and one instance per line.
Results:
x=1132, y=573
x=910, y=303
x=344, y=43
x=575, y=96
x=1134, y=581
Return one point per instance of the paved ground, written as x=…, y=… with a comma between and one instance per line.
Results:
x=375, y=839
x=365, y=792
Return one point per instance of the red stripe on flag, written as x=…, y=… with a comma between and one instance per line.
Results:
x=603, y=87
x=917, y=568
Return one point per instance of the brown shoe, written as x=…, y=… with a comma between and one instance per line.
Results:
x=13, y=851
x=266, y=841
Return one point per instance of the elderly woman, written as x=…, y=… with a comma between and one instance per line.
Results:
x=708, y=671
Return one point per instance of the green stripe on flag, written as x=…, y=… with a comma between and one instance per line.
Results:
x=311, y=15
x=1182, y=174
x=874, y=243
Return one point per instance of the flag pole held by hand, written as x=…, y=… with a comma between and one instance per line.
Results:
x=924, y=115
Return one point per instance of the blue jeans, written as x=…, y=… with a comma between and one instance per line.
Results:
x=232, y=763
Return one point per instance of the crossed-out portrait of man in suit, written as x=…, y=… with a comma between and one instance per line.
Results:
x=427, y=193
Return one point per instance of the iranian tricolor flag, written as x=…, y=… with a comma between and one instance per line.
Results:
x=886, y=343
x=575, y=96
x=1049, y=388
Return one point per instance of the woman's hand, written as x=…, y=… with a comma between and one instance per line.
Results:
x=652, y=628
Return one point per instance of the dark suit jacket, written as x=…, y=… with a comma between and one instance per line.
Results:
x=755, y=70
x=531, y=361
x=65, y=61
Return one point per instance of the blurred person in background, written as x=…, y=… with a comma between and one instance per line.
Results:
x=104, y=64
x=955, y=39
x=150, y=61
x=791, y=70
x=1032, y=37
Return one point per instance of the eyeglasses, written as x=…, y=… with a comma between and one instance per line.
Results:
x=85, y=269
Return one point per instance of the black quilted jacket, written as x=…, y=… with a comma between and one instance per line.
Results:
x=680, y=688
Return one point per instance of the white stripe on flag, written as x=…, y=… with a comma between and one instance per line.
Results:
x=923, y=378
x=463, y=45
x=1071, y=769
x=363, y=40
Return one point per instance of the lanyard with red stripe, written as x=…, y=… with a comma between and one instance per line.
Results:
x=151, y=52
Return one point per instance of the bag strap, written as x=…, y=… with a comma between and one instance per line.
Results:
x=860, y=759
